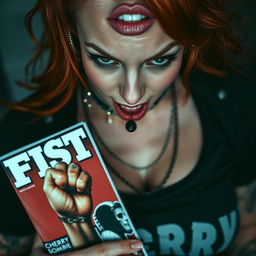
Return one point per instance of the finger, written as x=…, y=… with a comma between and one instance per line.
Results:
x=62, y=166
x=73, y=173
x=55, y=178
x=83, y=183
x=122, y=247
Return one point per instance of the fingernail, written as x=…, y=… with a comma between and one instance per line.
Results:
x=73, y=166
x=136, y=244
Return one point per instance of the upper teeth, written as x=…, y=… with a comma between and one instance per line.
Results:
x=131, y=17
x=131, y=108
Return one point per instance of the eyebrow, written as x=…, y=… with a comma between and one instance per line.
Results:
x=163, y=51
x=160, y=53
x=99, y=50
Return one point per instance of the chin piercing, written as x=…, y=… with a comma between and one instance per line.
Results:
x=130, y=126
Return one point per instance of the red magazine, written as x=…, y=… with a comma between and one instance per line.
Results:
x=67, y=191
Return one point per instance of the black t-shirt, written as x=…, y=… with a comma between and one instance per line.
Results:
x=196, y=216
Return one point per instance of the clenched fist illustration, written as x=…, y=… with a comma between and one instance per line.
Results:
x=68, y=189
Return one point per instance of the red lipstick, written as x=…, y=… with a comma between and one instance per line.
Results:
x=131, y=19
x=131, y=113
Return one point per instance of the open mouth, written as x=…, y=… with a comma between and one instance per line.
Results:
x=131, y=19
x=131, y=113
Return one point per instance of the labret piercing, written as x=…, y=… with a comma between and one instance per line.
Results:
x=131, y=126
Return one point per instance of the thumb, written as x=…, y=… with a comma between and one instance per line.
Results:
x=115, y=248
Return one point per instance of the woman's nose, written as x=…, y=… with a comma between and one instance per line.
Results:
x=132, y=89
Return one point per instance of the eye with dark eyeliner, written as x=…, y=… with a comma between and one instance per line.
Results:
x=163, y=61
x=109, y=63
x=102, y=61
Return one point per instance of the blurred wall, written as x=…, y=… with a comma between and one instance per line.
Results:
x=4, y=89
x=15, y=46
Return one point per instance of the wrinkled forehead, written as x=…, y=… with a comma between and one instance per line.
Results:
x=93, y=27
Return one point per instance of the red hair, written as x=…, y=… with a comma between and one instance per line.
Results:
x=202, y=27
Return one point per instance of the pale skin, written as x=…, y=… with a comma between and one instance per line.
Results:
x=133, y=79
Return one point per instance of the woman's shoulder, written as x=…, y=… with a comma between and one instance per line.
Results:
x=233, y=83
x=234, y=92
x=232, y=100
x=232, y=95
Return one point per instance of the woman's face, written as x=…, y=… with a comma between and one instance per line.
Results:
x=129, y=60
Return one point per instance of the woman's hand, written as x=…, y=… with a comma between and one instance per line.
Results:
x=245, y=243
x=68, y=189
x=123, y=247
x=115, y=248
x=12, y=245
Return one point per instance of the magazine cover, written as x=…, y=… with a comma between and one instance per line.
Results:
x=67, y=191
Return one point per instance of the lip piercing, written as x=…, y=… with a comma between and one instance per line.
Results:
x=130, y=126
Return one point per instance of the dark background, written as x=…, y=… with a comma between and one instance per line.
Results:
x=16, y=47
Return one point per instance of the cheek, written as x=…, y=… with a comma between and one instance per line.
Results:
x=96, y=78
x=99, y=78
x=162, y=81
x=175, y=71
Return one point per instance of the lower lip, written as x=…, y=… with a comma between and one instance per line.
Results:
x=131, y=114
x=131, y=28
